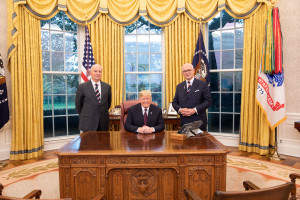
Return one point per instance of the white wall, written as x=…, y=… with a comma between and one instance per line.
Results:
x=288, y=137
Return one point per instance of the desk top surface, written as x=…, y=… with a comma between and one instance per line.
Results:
x=125, y=143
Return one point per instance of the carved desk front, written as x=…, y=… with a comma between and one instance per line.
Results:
x=124, y=165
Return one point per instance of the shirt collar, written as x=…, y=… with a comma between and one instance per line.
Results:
x=191, y=81
x=95, y=83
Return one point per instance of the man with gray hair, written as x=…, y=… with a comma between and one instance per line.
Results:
x=144, y=117
x=93, y=100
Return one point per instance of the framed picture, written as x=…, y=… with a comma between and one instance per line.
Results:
x=171, y=110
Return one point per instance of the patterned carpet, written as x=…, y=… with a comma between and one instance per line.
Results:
x=43, y=175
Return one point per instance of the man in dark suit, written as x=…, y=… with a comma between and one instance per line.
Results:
x=192, y=98
x=144, y=117
x=93, y=100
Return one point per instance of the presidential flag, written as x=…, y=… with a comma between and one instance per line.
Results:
x=88, y=57
x=200, y=61
x=270, y=94
x=4, y=114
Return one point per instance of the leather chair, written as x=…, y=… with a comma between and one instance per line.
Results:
x=125, y=105
x=280, y=192
x=293, y=178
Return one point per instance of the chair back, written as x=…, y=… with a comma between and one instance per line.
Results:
x=125, y=105
x=280, y=192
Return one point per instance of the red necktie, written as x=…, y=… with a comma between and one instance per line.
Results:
x=145, y=117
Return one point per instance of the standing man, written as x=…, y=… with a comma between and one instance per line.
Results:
x=93, y=100
x=144, y=117
x=192, y=98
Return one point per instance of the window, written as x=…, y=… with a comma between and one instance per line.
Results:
x=143, y=60
x=60, y=75
x=225, y=45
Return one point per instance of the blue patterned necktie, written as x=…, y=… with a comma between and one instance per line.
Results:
x=188, y=87
x=97, y=92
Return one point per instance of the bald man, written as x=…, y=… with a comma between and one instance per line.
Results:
x=93, y=100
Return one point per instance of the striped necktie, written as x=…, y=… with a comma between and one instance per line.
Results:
x=188, y=87
x=97, y=92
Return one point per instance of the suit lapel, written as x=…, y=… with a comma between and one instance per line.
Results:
x=140, y=114
x=150, y=114
x=91, y=90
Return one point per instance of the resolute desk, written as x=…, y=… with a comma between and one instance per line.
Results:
x=124, y=165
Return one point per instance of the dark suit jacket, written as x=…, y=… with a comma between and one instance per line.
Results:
x=135, y=118
x=198, y=97
x=91, y=112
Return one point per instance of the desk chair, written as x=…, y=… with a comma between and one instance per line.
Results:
x=125, y=105
x=280, y=192
x=35, y=194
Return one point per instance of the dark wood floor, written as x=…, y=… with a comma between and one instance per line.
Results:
x=289, y=161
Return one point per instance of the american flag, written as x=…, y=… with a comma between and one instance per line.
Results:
x=88, y=57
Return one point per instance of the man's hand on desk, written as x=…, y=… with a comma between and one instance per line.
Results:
x=145, y=130
x=187, y=111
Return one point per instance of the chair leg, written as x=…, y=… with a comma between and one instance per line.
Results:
x=293, y=178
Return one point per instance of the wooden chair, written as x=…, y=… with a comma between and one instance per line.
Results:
x=293, y=178
x=35, y=194
x=125, y=105
x=280, y=192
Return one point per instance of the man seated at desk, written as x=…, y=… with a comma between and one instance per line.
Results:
x=144, y=117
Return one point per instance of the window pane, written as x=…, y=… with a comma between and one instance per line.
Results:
x=45, y=40
x=57, y=22
x=131, y=96
x=214, y=23
x=156, y=97
x=130, y=29
x=227, y=81
x=213, y=122
x=46, y=60
x=239, y=38
x=57, y=41
x=155, y=63
x=215, y=103
x=71, y=42
x=227, y=102
x=215, y=81
x=155, y=29
x=59, y=84
x=45, y=24
x=214, y=40
x=228, y=39
x=70, y=25
x=60, y=126
x=130, y=44
x=72, y=83
x=237, y=99
x=227, y=20
x=57, y=59
x=236, y=124
x=226, y=123
x=214, y=60
x=143, y=62
x=142, y=26
x=239, y=23
x=131, y=82
x=238, y=81
x=47, y=106
x=59, y=105
x=130, y=62
x=143, y=43
x=73, y=122
x=155, y=43
x=227, y=59
x=71, y=62
x=156, y=82
x=71, y=105
x=47, y=84
x=239, y=59
x=143, y=82
x=48, y=127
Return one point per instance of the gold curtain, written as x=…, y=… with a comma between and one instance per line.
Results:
x=107, y=41
x=180, y=42
x=256, y=136
x=27, y=90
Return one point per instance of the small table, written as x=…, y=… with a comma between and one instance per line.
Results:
x=173, y=122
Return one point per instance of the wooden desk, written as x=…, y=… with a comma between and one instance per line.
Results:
x=173, y=121
x=124, y=165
